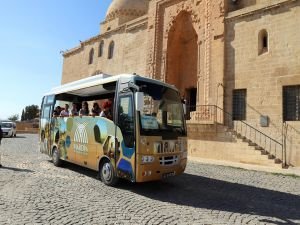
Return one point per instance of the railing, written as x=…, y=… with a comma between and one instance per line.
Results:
x=214, y=114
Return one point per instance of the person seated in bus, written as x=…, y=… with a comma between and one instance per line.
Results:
x=84, y=111
x=106, y=110
x=74, y=111
x=111, y=106
x=56, y=111
x=65, y=112
x=96, y=109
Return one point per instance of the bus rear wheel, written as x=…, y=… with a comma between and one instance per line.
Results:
x=55, y=158
x=107, y=173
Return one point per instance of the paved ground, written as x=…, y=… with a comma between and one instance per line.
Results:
x=33, y=191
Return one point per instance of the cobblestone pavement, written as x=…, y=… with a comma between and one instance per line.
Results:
x=33, y=191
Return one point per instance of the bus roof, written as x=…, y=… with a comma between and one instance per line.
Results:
x=87, y=84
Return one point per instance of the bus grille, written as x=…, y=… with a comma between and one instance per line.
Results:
x=168, y=160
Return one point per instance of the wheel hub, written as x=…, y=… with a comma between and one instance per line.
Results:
x=107, y=171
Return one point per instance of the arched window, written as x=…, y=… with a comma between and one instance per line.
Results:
x=101, y=46
x=91, y=56
x=263, y=42
x=111, y=50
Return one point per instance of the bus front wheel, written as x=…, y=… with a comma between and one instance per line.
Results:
x=55, y=158
x=107, y=173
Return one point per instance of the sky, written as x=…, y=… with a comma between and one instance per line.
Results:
x=32, y=34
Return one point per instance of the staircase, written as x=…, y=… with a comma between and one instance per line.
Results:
x=234, y=140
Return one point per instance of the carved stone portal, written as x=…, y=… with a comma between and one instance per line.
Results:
x=182, y=58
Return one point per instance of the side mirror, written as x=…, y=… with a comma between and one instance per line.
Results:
x=139, y=101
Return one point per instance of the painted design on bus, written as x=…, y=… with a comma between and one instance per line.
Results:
x=81, y=139
x=93, y=137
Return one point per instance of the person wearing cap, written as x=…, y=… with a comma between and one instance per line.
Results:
x=106, y=110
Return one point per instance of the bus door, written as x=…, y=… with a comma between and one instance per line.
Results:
x=126, y=139
x=46, y=125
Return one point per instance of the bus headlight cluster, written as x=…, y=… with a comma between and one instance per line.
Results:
x=147, y=159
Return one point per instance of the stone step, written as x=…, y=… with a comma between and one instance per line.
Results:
x=234, y=146
x=259, y=147
x=264, y=152
x=270, y=156
x=252, y=144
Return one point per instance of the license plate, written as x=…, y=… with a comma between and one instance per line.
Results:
x=166, y=175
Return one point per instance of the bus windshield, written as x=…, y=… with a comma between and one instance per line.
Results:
x=162, y=112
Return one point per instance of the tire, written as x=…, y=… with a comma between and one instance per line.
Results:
x=15, y=135
x=55, y=158
x=107, y=173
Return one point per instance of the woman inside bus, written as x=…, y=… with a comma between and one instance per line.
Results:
x=74, y=111
x=96, y=109
x=84, y=111
x=106, y=110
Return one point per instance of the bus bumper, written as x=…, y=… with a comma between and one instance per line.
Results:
x=150, y=172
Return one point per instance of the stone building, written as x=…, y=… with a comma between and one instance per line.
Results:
x=236, y=62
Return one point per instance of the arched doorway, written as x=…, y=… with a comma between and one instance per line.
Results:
x=182, y=58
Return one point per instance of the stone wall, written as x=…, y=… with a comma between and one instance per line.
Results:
x=264, y=75
x=130, y=42
x=207, y=19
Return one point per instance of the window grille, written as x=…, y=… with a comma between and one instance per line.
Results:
x=291, y=103
x=239, y=104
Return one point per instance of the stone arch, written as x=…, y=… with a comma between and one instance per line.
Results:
x=91, y=56
x=182, y=57
x=111, y=49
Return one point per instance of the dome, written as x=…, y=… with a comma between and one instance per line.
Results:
x=127, y=8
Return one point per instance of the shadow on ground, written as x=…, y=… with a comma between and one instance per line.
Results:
x=201, y=192
x=18, y=136
x=16, y=169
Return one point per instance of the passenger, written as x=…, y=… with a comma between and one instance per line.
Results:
x=110, y=101
x=56, y=111
x=74, y=111
x=106, y=110
x=96, y=109
x=84, y=111
x=65, y=112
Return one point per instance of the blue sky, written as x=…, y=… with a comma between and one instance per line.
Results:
x=32, y=34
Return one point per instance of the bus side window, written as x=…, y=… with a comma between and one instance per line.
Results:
x=126, y=120
x=46, y=111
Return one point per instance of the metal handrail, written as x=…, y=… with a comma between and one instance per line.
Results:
x=265, y=142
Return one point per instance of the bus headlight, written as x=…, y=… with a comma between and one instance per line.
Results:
x=147, y=159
